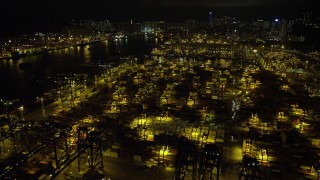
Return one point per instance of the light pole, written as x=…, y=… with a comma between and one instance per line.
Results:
x=96, y=80
x=40, y=100
x=21, y=108
x=72, y=85
x=85, y=83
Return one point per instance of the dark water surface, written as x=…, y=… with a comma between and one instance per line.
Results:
x=29, y=82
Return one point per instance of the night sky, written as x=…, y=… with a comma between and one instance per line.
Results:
x=19, y=16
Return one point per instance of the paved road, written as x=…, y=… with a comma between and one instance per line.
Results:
x=37, y=115
x=119, y=169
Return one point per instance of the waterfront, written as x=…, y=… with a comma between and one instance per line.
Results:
x=144, y=111
x=176, y=103
x=28, y=83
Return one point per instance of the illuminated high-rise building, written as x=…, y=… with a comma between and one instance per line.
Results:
x=307, y=18
x=210, y=19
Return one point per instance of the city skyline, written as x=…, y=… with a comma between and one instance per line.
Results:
x=34, y=16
